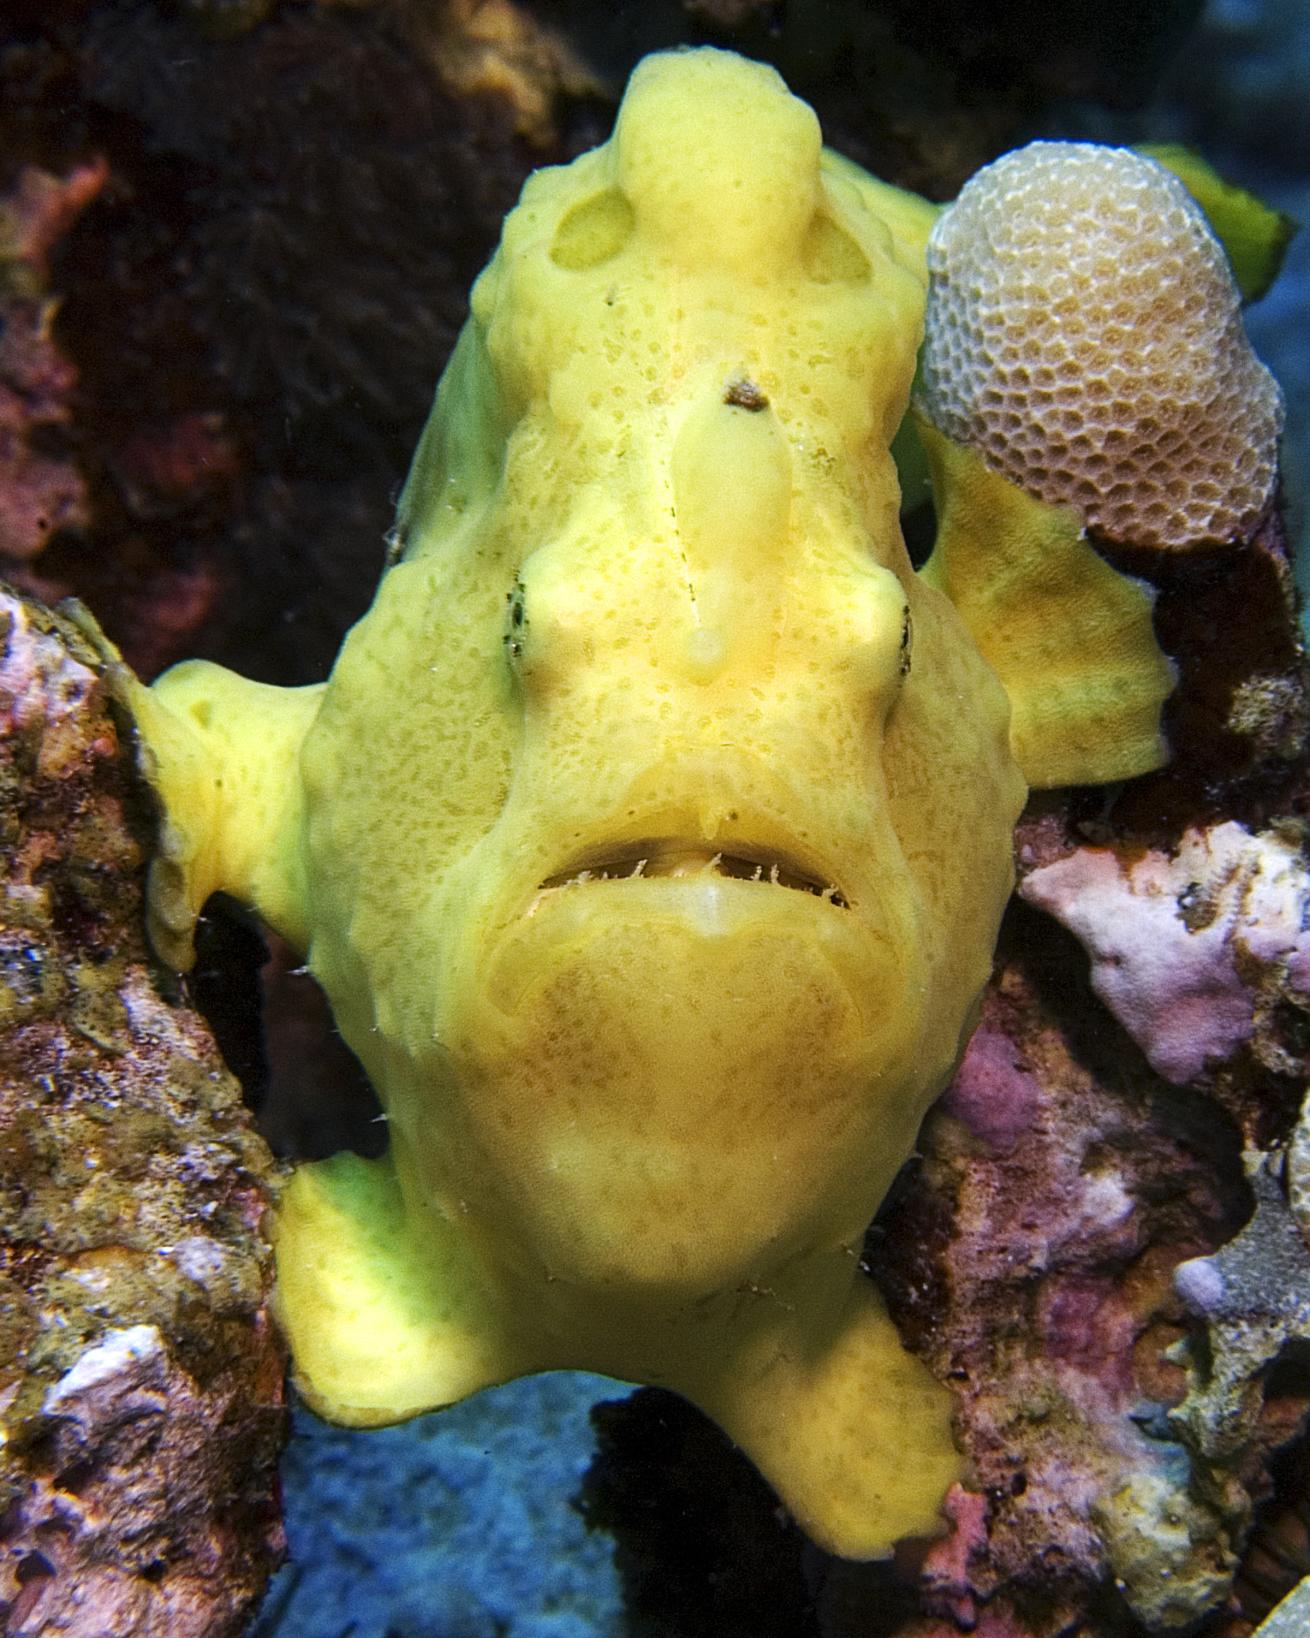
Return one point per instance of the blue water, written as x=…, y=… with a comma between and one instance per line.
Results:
x=460, y=1525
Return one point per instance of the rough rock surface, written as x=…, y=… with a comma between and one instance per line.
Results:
x=140, y=1378
x=1061, y=1184
x=1191, y=950
x=42, y=491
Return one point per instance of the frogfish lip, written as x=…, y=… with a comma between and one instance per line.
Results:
x=708, y=889
x=675, y=901
x=684, y=857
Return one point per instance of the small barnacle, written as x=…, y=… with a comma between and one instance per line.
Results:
x=744, y=394
x=1193, y=907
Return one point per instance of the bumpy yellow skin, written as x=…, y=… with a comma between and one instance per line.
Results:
x=653, y=605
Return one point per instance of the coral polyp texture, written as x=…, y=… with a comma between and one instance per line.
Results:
x=1084, y=334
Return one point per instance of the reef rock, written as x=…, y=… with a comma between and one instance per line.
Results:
x=140, y=1378
x=1191, y=950
x=1104, y=1244
x=41, y=489
x=1058, y=1190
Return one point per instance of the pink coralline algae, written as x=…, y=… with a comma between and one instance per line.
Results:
x=1055, y=1199
x=1105, y=1249
x=1189, y=947
x=1032, y=1260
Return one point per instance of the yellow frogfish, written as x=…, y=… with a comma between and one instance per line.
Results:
x=651, y=833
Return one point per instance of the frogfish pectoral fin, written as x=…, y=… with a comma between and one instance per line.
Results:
x=380, y=1328
x=855, y=1438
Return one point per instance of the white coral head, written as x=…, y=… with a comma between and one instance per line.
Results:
x=1084, y=335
